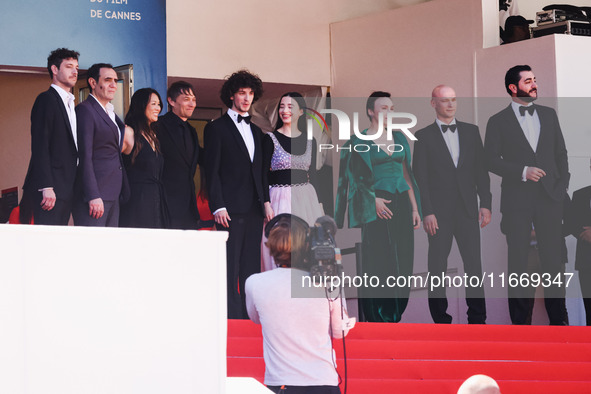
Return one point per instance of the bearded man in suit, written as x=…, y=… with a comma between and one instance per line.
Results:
x=524, y=145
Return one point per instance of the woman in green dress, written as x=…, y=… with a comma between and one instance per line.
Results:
x=377, y=185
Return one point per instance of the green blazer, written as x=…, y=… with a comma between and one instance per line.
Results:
x=356, y=183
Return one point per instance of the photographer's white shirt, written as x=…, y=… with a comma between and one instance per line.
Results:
x=296, y=331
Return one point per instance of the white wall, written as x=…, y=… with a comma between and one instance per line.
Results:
x=119, y=311
x=407, y=51
x=282, y=41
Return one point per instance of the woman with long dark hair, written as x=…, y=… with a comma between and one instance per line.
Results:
x=143, y=162
x=289, y=160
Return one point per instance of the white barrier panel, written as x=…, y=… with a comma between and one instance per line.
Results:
x=245, y=386
x=109, y=311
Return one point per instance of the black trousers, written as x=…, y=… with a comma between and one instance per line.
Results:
x=546, y=216
x=585, y=281
x=58, y=216
x=466, y=230
x=388, y=251
x=243, y=254
x=110, y=217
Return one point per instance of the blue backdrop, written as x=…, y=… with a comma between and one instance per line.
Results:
x=112, y=31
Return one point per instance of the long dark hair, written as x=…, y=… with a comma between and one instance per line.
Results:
x=302, y=104
x=137, y=120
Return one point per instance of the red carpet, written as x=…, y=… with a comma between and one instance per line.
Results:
x=429, y=358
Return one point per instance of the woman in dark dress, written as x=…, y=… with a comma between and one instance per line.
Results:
x=143, y=162
x=378, y=189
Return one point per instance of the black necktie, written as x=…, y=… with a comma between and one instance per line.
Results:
x=531, y=109
x=445, y=127
x=188, y=140
x=245, y=118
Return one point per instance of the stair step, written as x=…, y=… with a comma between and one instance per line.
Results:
x=438, y=369
x=364, y=386
x=442, y=350
x=444, y=332
x=429, y=358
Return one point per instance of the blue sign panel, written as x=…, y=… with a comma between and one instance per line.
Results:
x=111, y=31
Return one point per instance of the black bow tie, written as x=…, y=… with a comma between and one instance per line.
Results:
x=245, y=118
x=445, y=127
x=531, y=109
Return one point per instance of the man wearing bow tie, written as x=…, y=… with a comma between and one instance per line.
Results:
x=100, y=137
x=54, y=154
x=450, y=171
x=525, y=147
x=233, y=171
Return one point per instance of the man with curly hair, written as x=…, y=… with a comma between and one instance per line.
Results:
x=233, y=172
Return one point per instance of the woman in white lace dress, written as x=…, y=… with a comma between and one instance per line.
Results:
x=290, y=159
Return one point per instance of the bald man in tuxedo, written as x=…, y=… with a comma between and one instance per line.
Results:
x=449, y=168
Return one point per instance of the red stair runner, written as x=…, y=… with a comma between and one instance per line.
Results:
x=433, y=358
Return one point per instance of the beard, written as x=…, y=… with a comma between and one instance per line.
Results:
x=525, y=96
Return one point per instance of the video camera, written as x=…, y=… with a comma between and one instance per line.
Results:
x=324, y=256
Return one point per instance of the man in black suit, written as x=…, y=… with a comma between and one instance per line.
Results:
x=179, y=145
x=579, y=222
x=233, y=172
x=100, y=137
x=525, y=147
x=449, y=168
x=54, y=153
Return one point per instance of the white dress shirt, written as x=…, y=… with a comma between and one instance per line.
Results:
x=245, y=132
x=68, y=99
x=530, y=124
x=110, y=110
x=452, y=140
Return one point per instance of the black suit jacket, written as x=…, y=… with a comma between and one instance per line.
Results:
x=233, y=181
x=579, y=215
x=179, y=169
x=508, y=152
x=436, y=174
x=53, y=151
x=101, y=167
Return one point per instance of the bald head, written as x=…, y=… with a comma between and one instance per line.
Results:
x=479, y=384
x=443, y=99
x=443, y=91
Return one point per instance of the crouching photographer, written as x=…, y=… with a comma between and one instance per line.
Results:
x=296, y=331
